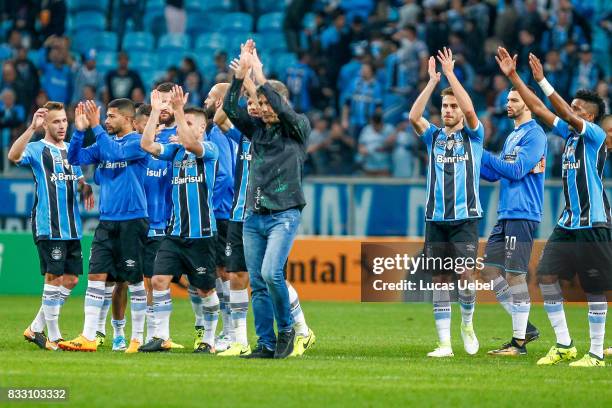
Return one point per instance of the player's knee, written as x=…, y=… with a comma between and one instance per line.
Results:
x=547, y=279
x=70, y=281
x=158, y=283
x=516, y=279
x=489, y=273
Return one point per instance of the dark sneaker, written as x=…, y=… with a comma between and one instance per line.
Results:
x=260, y=352
x=284, y=344
x=37, y=338
x=204, y=348
x=532, y=333
x=155, y=345
x=510, y=349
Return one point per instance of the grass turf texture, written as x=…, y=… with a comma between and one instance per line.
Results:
x=366, y=355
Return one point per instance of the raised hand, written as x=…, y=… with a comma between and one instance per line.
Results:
x=445, y=57
x=506, y=63
x=92, y=111
x=87, y=197
x=39, y=118
x=431, y=70
x=178, y=99
x=536, y=67
x=157, y=104
x=80, y=119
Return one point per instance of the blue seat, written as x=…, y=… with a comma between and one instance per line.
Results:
x=88, y=20
x=273, y=42
x=241, y=22
x=270, y=6
x=214, y=5
x=282, y=61
x=173, y=41
x=106, y=60
x=75, y=6
x=105, y=41
x=138, y=41
x=169, y=58
x=271, y=22
x=143, y=60
x=214, y=41
x=150, y=76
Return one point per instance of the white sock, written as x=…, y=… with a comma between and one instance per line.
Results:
x=598, y=308
x=64, y=293
x=118, y=327
x=228, y=325
x=196, y=306
x=138, y=308
x=467, y=300
x=553, y=304
x=108, y=299
x=162, y=307
x=521, y=304
x=38, y=324
x=502, y=293
x=94, y=299
x=210, y=307
x=442, y=315
x=239, y=305
x=151, y=323
x=51, y=308
x=299, y=320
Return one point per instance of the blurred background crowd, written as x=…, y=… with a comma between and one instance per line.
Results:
x=353, y=66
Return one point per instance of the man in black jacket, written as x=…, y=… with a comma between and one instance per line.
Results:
x=274, y=202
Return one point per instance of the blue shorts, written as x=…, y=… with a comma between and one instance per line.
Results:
x=509, y=245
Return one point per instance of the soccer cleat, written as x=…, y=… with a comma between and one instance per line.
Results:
x=443, y=350
x=119, y=343
x=470, y=342
x=155, y=345
x=236, y=350
x=100, y=338
x=532, y=333
x=174, y=345
x=303, y=343
x=204, y=348
x=608, y=352
x=259, y=352
x=133, y=347
x=222, y=342
x=79, y=344
x=309, y=340
x=198, y=337
x=589, y=360
x=509, y=349
x=37, y=338
x=284, y=344
x=558, y=353
x=52, y=345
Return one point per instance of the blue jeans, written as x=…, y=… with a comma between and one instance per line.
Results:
x=267, y=241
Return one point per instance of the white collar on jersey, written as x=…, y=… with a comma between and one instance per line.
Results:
x=52, y=145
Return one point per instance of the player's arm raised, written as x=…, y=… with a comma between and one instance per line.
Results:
x=77, y=154
x=419, y=123
x=147, y=142
x=187, y=137
x=562, y=108
x=16, y=152
x=236, y=114
x=507, y=65
x=463, y=99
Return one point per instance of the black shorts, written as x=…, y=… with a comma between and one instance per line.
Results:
x=60, y=257
x=509, y=245
x=234, y=249
x=150, y=251
x=457, y=240
x=193, y=257
x=586, y=252
x=221, y=242
x=118, y=249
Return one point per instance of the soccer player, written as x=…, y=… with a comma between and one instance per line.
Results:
x=520, y=169
x=190, y=246
x=581, y=243
x=56, y=222
x=118, y=244
x=453, y=204
x=223, y=194
x=274, y=201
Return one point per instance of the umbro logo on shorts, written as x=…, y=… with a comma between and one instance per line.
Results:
x=130, y=263
x=201, y=270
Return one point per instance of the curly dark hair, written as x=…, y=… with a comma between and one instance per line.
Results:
x=592, y=97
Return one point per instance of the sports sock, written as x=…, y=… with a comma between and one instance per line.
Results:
x=94, y=299
x=162, y=308
x=210, y=306
x=521, y=304
x=118, y=327
x=598, y=308
x=467, y=301
x=502, y=293
x=299, y=320
x=196, y=306
x=38, y=324
x=442, y=316
x=227, y=315
x=108, y=299
x=151, y=323
x=553, y=304
x=239, y=305
x=51, y=308
x=138, y=308
x=64, y=293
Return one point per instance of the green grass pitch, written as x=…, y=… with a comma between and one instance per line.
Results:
x=366, y=355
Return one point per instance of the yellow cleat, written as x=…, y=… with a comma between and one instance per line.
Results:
x=588, y=360
x=608, y=352
x=236, y=350
x=303, y=343
x=133, y=347
x=79, y=344
x=100, y=338
x=557, y=354
x=174, y=345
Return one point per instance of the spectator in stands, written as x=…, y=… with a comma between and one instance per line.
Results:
x=301, y=80
x=506, y=26
x=532, y=21
x=130, y=10
x=603, y=90
x=41, y=99
x=436, y=30
x=375, y=144
x=193, y=85
x=28, y=72
x=456, y=16
x=528, y=46
x=11, y=80
x=358, y=32
x=12, y=116
x=561, y=30
x=335, y=44
x=556, y=74
x=176, y=18
x=120, y=82
x=87, y=74
x=587, y=73
x=349, y=71
x=409, y=13
x=339, y=149
x=53, y=17
x=188, y=65
x=315, y=146
x=138, y=95
x=221, y=62
x=56, y=73
x=499, y=116
x=362, y=99
x=405, y=150
x=292, y=23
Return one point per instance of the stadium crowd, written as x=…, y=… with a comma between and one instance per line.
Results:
x=354, y=66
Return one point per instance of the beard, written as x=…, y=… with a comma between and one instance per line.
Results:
x=210, y=111
x=169, y=119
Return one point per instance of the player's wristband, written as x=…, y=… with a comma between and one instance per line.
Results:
x=546, y=87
